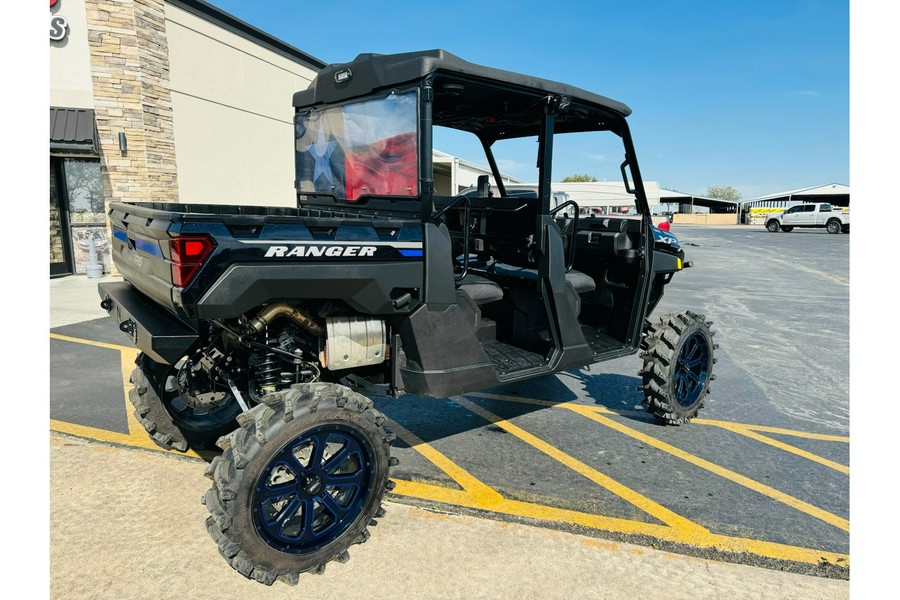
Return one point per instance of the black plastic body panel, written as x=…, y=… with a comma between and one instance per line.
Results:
x=443, y=355
x=285, y=248
x=155, y=331
x=367, y=287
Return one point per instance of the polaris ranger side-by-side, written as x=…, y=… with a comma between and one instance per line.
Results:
x=262, y=329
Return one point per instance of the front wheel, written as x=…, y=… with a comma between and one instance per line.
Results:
x=833, y=226
x=299, y=482
x=773, y=226
x=678, y=365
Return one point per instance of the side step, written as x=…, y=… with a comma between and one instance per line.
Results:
x=508, y=359
x=599, y=341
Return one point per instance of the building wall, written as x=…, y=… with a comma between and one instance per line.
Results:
x=705, y=219
x=130, y=75
x=70, y=65
x=232, y=113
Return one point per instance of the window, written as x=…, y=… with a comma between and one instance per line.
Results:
x=360, y=149
x=809, y=208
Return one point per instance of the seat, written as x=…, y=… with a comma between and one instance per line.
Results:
x=582, y=283
x=480, y=289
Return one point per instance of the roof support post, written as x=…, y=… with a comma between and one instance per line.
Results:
x=545, y=155
x=426, y=141
x=492, y=162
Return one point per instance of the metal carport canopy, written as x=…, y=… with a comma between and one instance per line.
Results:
x=834, y=193
x=714, y=204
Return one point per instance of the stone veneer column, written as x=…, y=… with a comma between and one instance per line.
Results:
x=130, y=71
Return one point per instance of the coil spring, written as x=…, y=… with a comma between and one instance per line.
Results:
x=269, y=369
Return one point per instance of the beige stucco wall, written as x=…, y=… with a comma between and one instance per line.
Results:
x=232, y=113
x=70, y=63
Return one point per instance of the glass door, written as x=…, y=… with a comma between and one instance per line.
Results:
x=86, y=213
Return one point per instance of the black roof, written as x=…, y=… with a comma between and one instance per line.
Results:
x=371, y=72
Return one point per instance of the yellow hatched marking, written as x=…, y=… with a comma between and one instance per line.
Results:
x=687, y=530
x=474, y=491
x=475, y=494
x=483, y=494
x=753, y=435
x=590, y=413
x=824, y=437
x=137, y=435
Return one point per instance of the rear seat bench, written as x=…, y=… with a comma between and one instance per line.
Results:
x=480, y=289
x=484, y=291
x=582, y=283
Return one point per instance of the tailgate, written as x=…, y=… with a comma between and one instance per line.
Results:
x=140, y=250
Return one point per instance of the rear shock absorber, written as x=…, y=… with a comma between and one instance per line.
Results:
x=268, y=370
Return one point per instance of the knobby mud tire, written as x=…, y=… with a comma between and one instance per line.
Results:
x=269, y=438
x=675, y=383
x=149, y=382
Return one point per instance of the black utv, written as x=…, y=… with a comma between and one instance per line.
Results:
x=262, y=329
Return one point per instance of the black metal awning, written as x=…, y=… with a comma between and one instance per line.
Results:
x=73, y=130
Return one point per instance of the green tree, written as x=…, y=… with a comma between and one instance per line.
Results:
x=723, y=192
x=579, y=177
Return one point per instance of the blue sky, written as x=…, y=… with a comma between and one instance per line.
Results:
x=751, y=94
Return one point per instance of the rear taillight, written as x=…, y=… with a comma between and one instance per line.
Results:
x=188, y=253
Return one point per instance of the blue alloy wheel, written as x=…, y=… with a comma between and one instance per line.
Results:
x=691, y=369
x=299, y=482
x=312, y=489
x=678, y=366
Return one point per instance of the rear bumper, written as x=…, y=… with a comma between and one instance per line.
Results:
x=155, y=331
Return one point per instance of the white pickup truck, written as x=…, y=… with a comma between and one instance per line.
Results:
x=813, y=214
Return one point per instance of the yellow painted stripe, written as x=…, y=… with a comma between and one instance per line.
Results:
x=538, y=512
x=728, y=474
x=480, y=493
x=796, y=503
x=686, y=529
x=137, y=436
x=66, y=338
x=605, y=411
x=778, y=430
x=747, y=432
x=127, y=360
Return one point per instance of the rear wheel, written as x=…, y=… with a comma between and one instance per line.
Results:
x=299, y=482
x=833, y=226
x=678, y=365
x=773, y=226
x=175, y=422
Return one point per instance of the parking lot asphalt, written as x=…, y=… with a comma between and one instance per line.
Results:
x=568, y=468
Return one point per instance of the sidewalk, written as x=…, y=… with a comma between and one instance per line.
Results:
x=128, y=523
x=74, y=299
